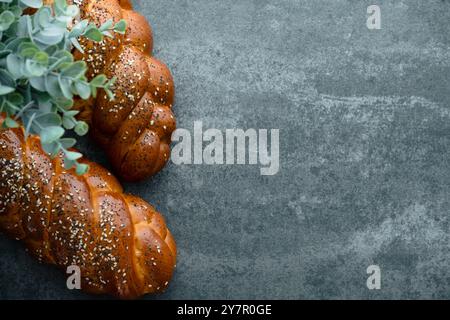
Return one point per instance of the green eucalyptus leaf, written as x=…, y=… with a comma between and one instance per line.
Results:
x=50, y=36
x=63, y=19
x=52, y=86
x=34, y=69
x=99, y=80
x=51, y=134
x=36, y=4
x=67, y=143
x=59, y=59
x=16, y=10
x=51, y=50
x=47, y=148
x=72, y=155
x=107, y=34
x=27, y=49
x=71, y=113
x=43, y=18
x=110, y=94
x=78, y=29
x=93, y=34
x=65, y=86
x=4, y=53
x=83, y=89
x=10, y=123
x=81, y=128
x=49, y=119
x=14, y=65
x=25, y=27
x=65, y=104
x=81, y=168
x=68, y=164
x=6, y=20
x=14, y=43
x=60, y=4
x=5, y=90
x=72, y=11
x=45, y=105
x=69, y=123
x=120, y=26
x=16, y=98
x=51, y=148
x=76, y=44
x=7, y=79
x=38, y=83
x=106, y=26
x=41, y=57
x=28, y=52
x=74, y=70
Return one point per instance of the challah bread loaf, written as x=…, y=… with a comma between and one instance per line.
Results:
x=120, y=243
x=135, y=128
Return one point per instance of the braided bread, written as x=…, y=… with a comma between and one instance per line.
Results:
x=120, y=243
x=135, y=128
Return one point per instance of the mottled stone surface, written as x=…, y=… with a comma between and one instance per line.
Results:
x=365, y=149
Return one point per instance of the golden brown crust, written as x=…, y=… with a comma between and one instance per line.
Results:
x=119, y=241
x=139, y=120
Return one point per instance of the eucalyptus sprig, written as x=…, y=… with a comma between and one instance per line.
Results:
x=38, y=75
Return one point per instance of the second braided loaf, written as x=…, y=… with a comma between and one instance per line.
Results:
x=135, y=128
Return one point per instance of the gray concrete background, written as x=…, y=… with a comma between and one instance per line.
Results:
x=365, y=150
